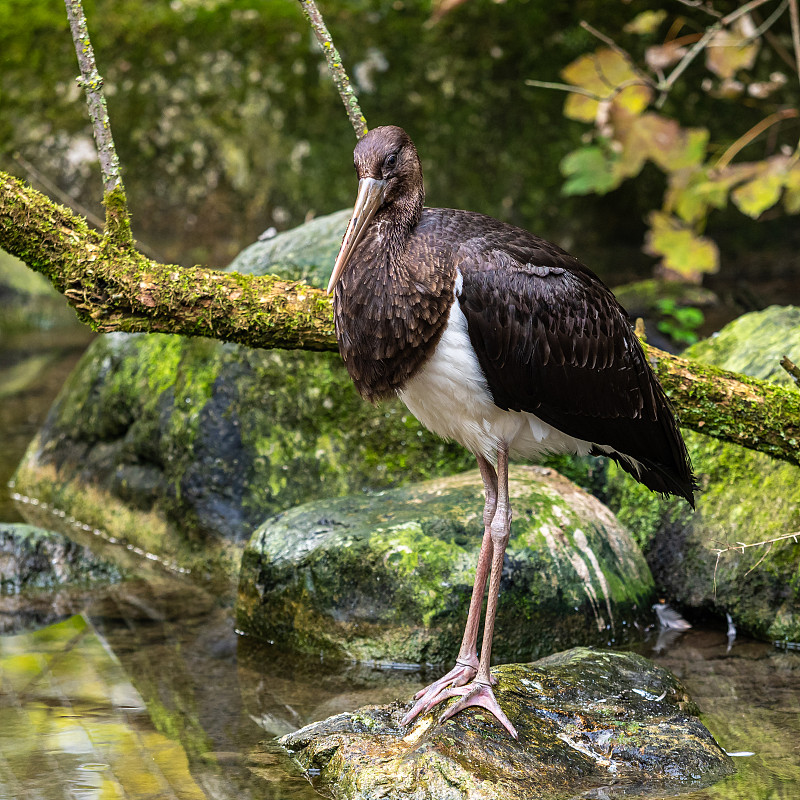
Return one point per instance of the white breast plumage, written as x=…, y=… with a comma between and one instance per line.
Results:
x=450, y=396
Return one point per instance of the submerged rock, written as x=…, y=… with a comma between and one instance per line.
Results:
x=590, y=723
x=744, y=496
x=388, y=577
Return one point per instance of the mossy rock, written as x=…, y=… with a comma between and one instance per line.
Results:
x=744, y=496
x=387, y=577
x=183, y=446
x=306, y=253
x=590, y=723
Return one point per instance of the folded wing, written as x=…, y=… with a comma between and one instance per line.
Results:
x=552, y=340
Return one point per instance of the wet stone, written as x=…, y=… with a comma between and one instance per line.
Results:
x=388, y=577
x=592, y=724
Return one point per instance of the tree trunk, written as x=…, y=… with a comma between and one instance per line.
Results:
x=114, y=288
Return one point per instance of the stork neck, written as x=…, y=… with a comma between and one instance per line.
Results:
x=396, y=222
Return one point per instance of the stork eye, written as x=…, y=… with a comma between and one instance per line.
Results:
x=391, y=161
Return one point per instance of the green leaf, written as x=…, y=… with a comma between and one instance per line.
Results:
x=589, y=169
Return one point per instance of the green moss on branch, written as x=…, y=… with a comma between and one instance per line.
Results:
x=115, y=288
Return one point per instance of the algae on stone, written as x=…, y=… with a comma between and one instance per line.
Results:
x=588, y=721
x=387, y=577
x=744, y=496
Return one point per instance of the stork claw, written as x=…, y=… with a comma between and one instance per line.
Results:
x=427, y=698
x=476, y=694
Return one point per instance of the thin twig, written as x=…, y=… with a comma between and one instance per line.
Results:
x=769, y=22
x=742, y=546
x=568, y=87
x=792, y=369
x=92, y=84
x=778, y=47
x=34, y=176
x=55, y=191
x=702, y=6
x=742, y=10
x=794, y=16
x=605, y=39
x=763, y=556
x=665, y=86
x=756, y=130
x=357, y=119
x=117, y=220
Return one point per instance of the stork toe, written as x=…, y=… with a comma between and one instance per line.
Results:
x=477, y=694
x=428, y=697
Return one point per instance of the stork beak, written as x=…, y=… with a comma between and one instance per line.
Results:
x=370, y=197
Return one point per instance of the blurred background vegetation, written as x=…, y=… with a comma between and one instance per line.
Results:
x=227, y=123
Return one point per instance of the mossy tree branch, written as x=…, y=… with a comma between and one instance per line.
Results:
x=338, y=73
x=118, y=289
x=115, y=288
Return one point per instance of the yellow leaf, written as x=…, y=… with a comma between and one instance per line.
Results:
x=679, y=247
x=602, y=73
x=791, y=197
x=762, y=192
x=646, y=22
x=731, y=50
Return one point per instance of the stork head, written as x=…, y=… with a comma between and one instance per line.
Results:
x=389, y=181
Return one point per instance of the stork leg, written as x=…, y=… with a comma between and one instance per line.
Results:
x=479, y=692
x=467, y=663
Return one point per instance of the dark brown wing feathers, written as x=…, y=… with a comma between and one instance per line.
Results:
x=552, y=340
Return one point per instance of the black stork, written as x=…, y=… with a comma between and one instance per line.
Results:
x=498, y=340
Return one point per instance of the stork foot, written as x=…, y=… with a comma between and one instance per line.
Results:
x=462, y=673
x=476, y=694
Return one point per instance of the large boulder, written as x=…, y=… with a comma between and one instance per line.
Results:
x=587, y=721
x=182, y=447
x=744, y=497
x=387, y=577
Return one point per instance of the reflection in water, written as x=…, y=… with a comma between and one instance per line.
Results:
x=150, y=694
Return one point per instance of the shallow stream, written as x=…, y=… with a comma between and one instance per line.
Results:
x=144, y=690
